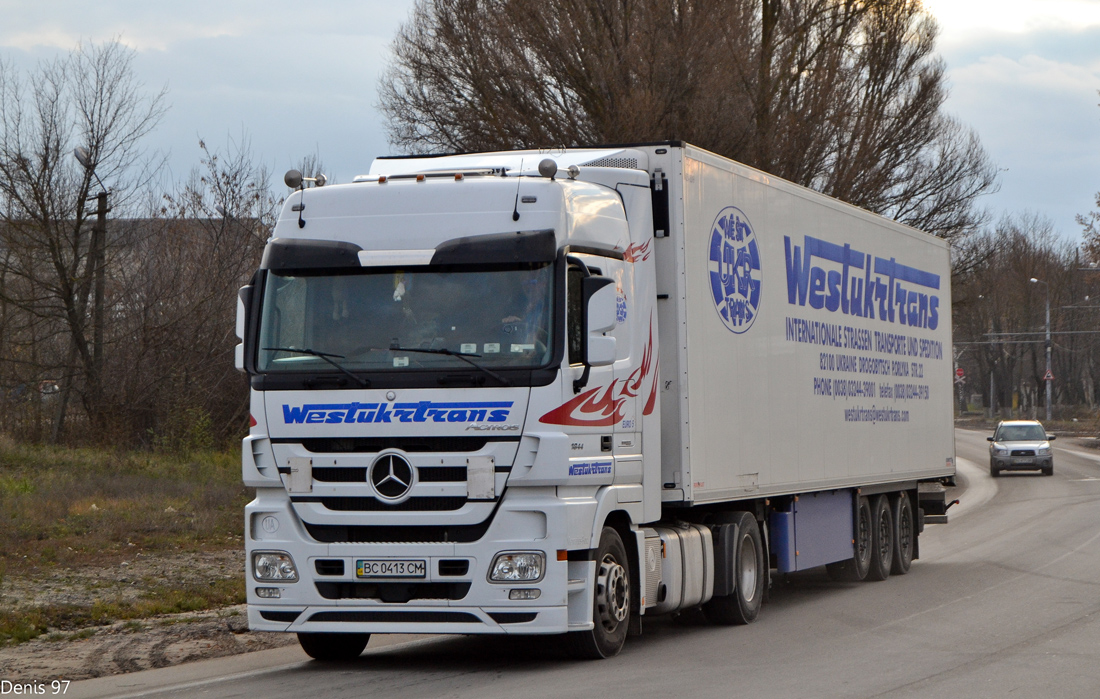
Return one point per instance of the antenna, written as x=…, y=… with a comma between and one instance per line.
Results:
x=515, y=207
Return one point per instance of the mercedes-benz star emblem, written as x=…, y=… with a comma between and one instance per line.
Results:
x=391, y=476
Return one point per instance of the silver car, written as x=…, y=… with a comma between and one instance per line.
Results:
x=1021, y=445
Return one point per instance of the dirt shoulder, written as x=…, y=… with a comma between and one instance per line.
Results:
x=135, y=645
x=113, y=647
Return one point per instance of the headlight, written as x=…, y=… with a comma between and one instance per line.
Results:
x=274, y=565
x=1044, y=451
x=999, y=451
x=517, y=566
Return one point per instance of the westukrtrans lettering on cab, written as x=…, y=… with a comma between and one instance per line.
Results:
x=423, y=411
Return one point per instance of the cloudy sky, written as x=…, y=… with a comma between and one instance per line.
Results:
x=298, y=78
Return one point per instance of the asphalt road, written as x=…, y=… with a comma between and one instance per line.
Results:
x=1004, y=601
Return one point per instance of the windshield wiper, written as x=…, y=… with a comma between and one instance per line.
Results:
x=326, y=356
x=461, y=355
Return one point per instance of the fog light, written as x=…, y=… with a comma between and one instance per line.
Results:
x=517, y=566
x=532, y=593
x=273, y=565
x=268, y=592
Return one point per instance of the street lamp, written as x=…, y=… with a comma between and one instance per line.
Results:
x=1048, y=377
x=98, y=244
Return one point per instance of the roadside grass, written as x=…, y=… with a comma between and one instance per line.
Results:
x=64, y=511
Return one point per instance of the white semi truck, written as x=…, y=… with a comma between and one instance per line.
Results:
x=560, y=392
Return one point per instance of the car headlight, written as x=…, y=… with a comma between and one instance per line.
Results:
x=273, y=565
x=517, y=566
x=1043, y=451
x=998, y=451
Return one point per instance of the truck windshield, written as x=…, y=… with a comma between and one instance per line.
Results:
x=389, y=319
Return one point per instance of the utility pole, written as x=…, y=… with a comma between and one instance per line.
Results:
x=1048, y=378
x=97, y=256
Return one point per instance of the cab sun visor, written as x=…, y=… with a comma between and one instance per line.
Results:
x=499, y=248
x=295, y=253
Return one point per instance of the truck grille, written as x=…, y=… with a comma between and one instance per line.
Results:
x=351, y=504
x=363, y=534
x=357, y=474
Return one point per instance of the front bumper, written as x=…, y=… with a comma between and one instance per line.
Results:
x=454, y=596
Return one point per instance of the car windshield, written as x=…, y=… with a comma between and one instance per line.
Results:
x=393, y=319
x=1021, y=433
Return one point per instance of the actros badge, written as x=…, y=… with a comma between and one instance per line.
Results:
x=734, y=266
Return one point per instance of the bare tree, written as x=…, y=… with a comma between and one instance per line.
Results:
x=90, y=99
x=176, y=377
x=841, y=95
x=999, y=316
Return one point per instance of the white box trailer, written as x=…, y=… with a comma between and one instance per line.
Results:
x=790, y=359
x=555, y=393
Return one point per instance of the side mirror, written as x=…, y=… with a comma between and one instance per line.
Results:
x=599, y=318
x=989, y=439
x=1051, y=437
x=244, y=302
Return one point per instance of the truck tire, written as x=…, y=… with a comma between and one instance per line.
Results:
x=611, y=602
x=743, y=606
x=333, y=646
x=905, y=535
x=882, y=539
x=855, y=568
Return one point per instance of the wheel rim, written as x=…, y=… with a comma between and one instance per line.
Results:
x=612, y=593
x=905, y=531
x=864, y=537
x=885, y=536
x=747, y=566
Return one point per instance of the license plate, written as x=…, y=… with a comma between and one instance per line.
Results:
x=1023, y=460
x=374, y=568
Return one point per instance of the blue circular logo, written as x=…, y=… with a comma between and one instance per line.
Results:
x=735, y=275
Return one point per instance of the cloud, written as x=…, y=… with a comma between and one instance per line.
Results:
x=153, y=26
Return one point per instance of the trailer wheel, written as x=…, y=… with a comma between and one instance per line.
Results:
x=855, y=568
x=905, y=535
x=743, y=606
x=610, y=604
x=333, y=646
x=882, y=539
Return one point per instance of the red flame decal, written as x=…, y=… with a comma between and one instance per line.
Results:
x=606, y=409
x=636, y=252
x=602, y=406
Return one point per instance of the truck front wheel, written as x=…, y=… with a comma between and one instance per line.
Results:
x=743, y=606
x=333, y=646
x=610, y=604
